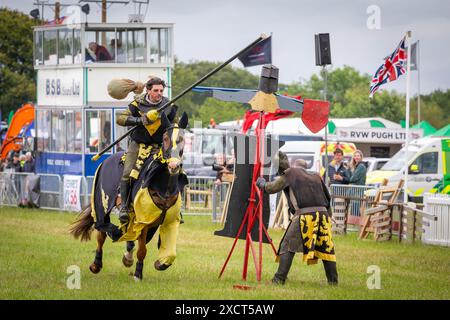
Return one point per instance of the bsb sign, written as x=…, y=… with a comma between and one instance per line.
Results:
x=379, y=135
x=62, y=87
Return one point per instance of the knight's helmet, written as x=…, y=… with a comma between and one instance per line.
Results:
x=268, y=82
x=283, y=162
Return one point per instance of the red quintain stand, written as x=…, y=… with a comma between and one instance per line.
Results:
x=254, y=210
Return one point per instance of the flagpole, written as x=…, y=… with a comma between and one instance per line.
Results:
x=408, y=71
x=418, y=80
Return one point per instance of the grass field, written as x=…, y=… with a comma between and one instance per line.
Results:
x=36, y=250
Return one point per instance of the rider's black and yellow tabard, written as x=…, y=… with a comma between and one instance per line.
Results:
x=152, y=133
x=145, y=151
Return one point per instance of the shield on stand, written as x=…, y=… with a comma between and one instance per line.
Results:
x=244, y=149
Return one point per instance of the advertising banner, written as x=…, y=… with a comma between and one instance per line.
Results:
x=72, y=193
x=378, y=135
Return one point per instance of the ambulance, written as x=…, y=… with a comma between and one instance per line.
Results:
x=425, y=168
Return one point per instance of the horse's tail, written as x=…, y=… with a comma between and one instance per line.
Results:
x=83, y=226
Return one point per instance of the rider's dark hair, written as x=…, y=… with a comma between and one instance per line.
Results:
x=155, y=80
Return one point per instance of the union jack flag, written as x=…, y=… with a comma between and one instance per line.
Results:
x=392, y=68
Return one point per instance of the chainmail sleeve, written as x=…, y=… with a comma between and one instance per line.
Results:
x=276, y=186
x=123, y=117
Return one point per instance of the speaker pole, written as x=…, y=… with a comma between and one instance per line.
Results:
x=323, y=58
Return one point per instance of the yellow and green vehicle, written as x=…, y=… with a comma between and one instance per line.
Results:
x=427, y=162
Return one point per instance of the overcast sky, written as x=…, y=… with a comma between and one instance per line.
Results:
x=215, y=30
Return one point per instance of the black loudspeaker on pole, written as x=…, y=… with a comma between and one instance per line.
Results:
x=323, y=52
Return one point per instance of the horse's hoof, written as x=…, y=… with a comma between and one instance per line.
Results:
x=137, y=279
x=160, y=267
x=94, y=268
x=127, y=262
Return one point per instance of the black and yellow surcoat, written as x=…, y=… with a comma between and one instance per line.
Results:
x=152, y=133
x=310, y=228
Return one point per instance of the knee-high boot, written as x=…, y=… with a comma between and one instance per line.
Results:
x=125, y=196
x=283, y=268
x=331, y=272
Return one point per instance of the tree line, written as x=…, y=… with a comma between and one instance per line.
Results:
x=347, y=88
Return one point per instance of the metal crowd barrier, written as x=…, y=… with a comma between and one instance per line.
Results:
x=203, y=197
x=86, y=190
x=199, y=196
x=13, y=189
x=52, y=193
x=9, y=188
x=354, y=195
x=347, y=202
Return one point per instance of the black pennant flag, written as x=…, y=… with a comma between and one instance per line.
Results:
x=261, y=53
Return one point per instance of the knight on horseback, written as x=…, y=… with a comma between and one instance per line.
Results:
x=142, y=111
x=156, y=199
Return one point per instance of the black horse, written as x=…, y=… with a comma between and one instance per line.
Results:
x=156, y=201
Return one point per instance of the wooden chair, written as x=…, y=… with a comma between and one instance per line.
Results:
x=378, y=218
x=226, y=178
x=208, y=199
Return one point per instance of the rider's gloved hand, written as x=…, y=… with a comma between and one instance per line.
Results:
x=145, y=121
x=261, y=182
x=152, y=115
x=134, y=121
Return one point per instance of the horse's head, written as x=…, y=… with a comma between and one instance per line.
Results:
x=173, y=142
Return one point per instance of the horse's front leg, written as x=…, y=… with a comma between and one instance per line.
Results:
x=127, y=258
x=141, y=253
x=168, y=233
x=97, y=265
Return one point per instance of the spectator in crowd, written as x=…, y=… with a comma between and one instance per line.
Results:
x=14, y=166
x=120, y=51
x=15, y=163
x=357, y=169
x=358, y=173
x=22, y=160
x=89, y=55
x=212, y=123
x=29, y=165
x=3, y=164
x=101, y=53
x=337, y=170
